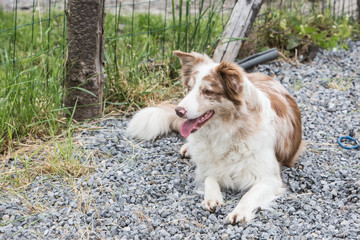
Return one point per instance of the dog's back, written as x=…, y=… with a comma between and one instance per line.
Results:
x=288, y=144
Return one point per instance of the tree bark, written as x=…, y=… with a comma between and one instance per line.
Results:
x=240, y=21
x=358, y=11
x=85, y=72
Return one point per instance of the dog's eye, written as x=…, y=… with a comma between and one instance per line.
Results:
x=207, y=92
x=188, y=89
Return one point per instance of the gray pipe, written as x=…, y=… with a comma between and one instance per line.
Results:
x=258, y=58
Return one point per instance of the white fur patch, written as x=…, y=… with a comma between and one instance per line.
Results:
x=149, y=123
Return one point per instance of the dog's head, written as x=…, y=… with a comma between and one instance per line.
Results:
x=214, y=90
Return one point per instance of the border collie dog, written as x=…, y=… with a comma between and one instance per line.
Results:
x=240, y=129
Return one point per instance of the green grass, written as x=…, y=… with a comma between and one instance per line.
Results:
x=140, y=70
x=30, y=88
x=141, y=67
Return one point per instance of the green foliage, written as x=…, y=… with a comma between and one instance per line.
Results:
x=289, y=30
x=325, y=31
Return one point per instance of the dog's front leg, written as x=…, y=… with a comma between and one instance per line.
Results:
x=184, y=150
x=259, y=194
x=212, y=197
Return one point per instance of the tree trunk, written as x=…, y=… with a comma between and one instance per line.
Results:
x=358, y=11
x=240, y=21
x=85, y=73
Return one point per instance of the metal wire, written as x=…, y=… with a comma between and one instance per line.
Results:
x=336, y=7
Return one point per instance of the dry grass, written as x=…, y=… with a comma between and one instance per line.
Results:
x=340, y=84
x=47, y=156
x=156, y=85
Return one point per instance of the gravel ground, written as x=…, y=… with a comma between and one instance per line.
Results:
x=147, y=191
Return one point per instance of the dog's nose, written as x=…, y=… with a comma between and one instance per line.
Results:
x=180, y=111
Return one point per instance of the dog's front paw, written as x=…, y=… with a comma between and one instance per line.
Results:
x=184, y=150
x=211, y=205
x=239, y=216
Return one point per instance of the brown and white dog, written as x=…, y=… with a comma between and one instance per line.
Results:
x=240, y=129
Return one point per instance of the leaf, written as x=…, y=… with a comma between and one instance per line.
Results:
x=283, y=24
x=318, y=37
x=292, y=43
x=332, y=42
x=305, y=29
x=309, y=30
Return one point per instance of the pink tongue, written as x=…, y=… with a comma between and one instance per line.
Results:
x=188, y=126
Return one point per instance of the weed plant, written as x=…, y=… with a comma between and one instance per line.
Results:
x=294, y=30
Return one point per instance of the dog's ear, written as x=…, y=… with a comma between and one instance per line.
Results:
x=192, y=58
x=184, y=57
x=231, y=78
x=189, y=61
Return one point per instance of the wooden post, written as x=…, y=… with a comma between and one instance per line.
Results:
x=240, y=21
x=85, y=73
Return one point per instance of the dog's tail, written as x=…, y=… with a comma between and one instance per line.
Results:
x=151, y=122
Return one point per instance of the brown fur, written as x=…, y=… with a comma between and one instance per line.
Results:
x=288, y=145
x=213, y=82
x=274, y=91
x=230, y=76
x=295, y=138
x=278, y=105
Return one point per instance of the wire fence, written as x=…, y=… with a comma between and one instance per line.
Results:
x=176, y=16
x=336, y=7
x=42, y=24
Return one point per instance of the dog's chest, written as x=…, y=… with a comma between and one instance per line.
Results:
x=217, y=144
x=222, y=156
